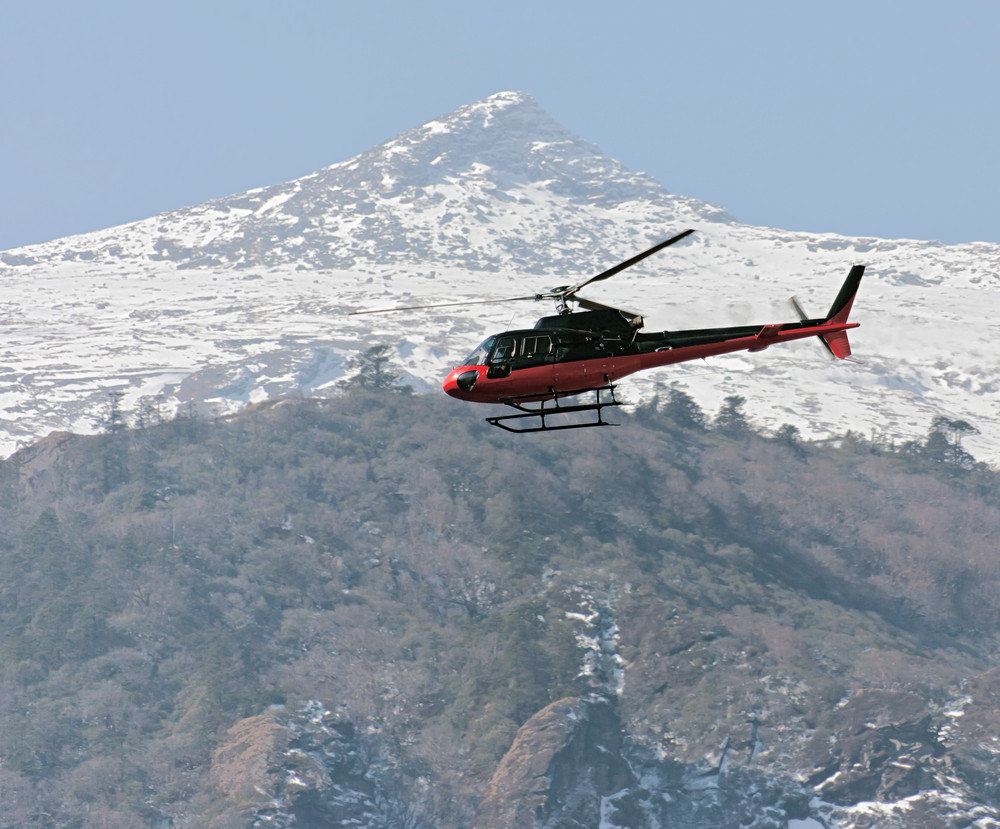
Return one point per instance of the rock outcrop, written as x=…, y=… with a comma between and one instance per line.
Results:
x=878, y=745
x=564, y=762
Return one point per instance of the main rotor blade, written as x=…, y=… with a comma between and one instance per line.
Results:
x=557, y=294
x=628, y=263
x=446, y=305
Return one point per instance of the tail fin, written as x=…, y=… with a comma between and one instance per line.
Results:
x=837, y=343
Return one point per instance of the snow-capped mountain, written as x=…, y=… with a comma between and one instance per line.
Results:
x=248, y=297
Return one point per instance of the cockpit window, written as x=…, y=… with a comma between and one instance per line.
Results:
x=478, y=357
x=506, y=346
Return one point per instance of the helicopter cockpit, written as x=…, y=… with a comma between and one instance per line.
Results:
x=525, y=349
x=478, y=357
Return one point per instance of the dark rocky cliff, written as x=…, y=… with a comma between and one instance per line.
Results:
x=881, y=759
x=564, y=763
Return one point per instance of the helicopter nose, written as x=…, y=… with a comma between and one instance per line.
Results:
x=460, y=381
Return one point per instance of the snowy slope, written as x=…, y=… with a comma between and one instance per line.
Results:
x=247, y=297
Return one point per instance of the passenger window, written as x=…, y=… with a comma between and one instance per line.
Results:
x=538, y=347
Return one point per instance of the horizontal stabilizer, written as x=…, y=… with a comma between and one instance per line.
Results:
x=838, y=344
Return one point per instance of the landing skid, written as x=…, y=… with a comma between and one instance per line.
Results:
x=541, y=414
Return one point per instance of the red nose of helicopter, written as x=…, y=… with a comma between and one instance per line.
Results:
x=461, y=382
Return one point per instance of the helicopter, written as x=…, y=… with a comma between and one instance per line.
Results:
x=586, y=352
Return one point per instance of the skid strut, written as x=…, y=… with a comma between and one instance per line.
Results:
x=541, y=414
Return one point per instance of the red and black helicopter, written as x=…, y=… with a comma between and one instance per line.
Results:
x=573, y=353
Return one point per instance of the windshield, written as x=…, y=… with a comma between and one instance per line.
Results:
x=478, y=357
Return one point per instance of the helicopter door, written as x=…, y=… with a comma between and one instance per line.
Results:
x=499, y=362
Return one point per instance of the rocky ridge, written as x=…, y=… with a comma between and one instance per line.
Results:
x=880, y=759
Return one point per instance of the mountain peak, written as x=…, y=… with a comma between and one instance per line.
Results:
x=501, y=132
x=502, y=161
x=514, y=114
x=507, y=138
x=500, y=104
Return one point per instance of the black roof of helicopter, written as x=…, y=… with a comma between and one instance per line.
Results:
x=604, y=321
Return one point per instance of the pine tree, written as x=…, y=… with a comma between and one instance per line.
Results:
x=731, y=418
x=682, y=409
x=373, y=370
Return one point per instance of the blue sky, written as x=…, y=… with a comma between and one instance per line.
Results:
x=864, y=118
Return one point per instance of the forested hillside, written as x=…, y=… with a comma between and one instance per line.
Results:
x=192, y=612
